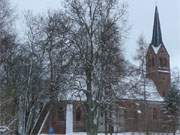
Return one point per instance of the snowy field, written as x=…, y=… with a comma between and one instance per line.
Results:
x=124, y=133
x=129, y=133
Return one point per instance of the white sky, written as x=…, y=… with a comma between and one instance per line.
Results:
x=141, y=15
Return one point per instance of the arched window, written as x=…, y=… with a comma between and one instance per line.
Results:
x=151, y=61
x=61, y=114
x=155, y=114
x=78, y=114
x=163, y=62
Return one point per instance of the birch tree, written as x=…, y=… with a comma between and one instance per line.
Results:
x=46, y=65
x=88, y=17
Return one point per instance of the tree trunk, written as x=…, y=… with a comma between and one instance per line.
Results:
x=92, y=128
x=91, y=125
x=21, y=118
x=174, y=127
x=106, y=127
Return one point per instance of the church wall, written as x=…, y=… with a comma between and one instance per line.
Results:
x=127, y=115
x=158, y=71
x=151, y=118
x=56, y=119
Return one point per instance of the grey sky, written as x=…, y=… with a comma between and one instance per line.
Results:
x=141, y=14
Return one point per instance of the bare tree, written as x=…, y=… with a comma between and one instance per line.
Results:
x=7, y=51
x=49, y=56
x=109, y=71
x=90, y=38
x=141, y=70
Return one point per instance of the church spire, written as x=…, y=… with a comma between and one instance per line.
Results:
x=157, y=36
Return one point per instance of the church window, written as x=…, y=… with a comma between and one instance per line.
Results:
x=61, y=114
x=163, y=62
x=78, y=114
x=151, y=61
x=155, y=114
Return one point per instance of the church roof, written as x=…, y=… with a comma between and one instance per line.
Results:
x=137, y=88
x=157, y=36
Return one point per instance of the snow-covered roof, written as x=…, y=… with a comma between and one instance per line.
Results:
x=140, y=89
x=156, y=48
x=130, y=87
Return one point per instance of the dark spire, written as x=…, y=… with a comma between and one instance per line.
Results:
x=157, y=36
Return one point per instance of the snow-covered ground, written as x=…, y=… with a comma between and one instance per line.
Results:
x=128, y=133
x=124, y=133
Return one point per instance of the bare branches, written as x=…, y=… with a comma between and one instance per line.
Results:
x=97, y=40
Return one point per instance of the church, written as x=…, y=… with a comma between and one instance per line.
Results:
x=139, y=115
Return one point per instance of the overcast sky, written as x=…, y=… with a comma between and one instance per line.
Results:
x=141, y=14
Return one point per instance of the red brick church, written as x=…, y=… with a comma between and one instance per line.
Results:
x=69, y=116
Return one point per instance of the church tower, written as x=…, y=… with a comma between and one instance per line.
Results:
x=158, y=59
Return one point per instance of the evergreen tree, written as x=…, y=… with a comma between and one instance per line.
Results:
x=172, y=103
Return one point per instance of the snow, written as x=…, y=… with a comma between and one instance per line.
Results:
x=3, y=129
x=156, y=49
x=124, y=133
x=139, y=111
x=130, y=133
x=126, y=89
x=152, y=93
x=164, y=71
x=69, y=119
x=178, y=84
x=136, y=90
